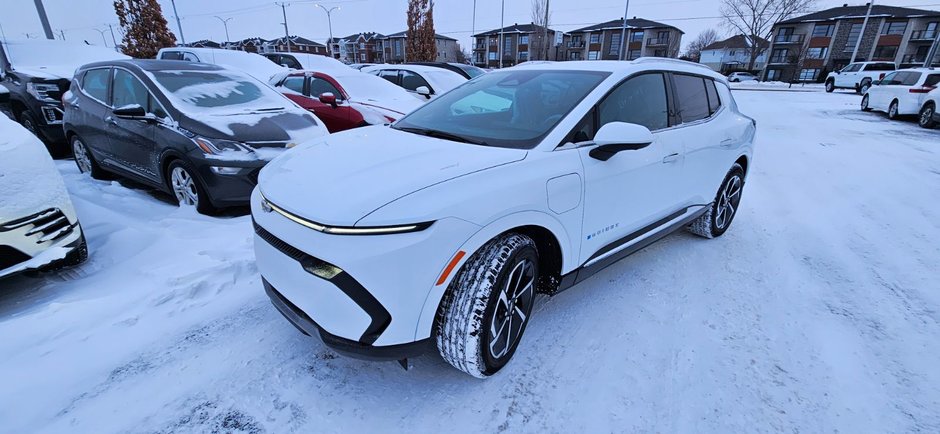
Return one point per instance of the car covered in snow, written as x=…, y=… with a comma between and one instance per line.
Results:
x=304, y=61
x=195, y=130
x=858, y=76
x=346, y=98
x=902, y=93
x=39, y=229
x=252, y=64
x=424, y=82
x=467, y=71
x=439, y=231
x=37, y=72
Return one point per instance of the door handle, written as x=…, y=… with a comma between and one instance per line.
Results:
x=727, y=143
x=110, y=120
x=670, y=158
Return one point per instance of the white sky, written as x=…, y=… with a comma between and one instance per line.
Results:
x=79, y=18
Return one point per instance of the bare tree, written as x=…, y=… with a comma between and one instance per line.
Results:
x=704, y=39
x=144, y=28
x=755, y=19
x=539, y=43
x=420, y=42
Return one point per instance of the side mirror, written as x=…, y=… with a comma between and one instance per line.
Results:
x=328, y=98
x=617, y=137
x=132, y=111
x=423, y=90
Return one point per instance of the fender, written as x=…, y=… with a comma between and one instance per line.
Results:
x=569, y=253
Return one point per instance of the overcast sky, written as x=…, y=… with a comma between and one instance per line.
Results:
x=79, y=18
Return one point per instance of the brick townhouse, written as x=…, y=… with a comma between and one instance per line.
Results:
x=365, y=47
x=396, y=48
x=806, y=48
x=645, y=38
x=518, y=42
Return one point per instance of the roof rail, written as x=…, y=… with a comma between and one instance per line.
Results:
x=670, y=60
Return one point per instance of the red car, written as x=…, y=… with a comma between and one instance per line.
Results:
x=346, y=99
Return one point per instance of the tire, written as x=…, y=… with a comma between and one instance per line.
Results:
x=187, y=188
x=719, y=216
x=85, y=160
x=830, y=86
x=471, y=320
x=864, y=86
x=865, y=106
x=893, y=110
x=926, y=116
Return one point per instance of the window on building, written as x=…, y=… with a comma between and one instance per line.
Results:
x=507, y=45
x=524, y=40
x=659, y=53
x=640, y=100
x=637, y=37
x=523, y=56
x=593, y=55
x=779, y=55
x=731, y=53
x=885, y=52
x=773, y=75
x=492, y=55
x=808, y=74
x=633, y=54
x=692, y=96
x=574, y=55
x=817, y=52
x=894, y=28
x=595, y=38
x=784, y=34
x=823, y=30
x=614, y=44
x=854, y=33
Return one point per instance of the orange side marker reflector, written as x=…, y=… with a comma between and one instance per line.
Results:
x=450, y=267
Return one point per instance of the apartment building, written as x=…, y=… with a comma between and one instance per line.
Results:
x=520, y=43
x=366, y=47
x=645, y=38
x=734, y=54
x=297, y=45
x=807, y=48
x=396, y=48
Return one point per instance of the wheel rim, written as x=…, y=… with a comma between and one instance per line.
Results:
x=830, y=86
x=893, y=110
x=865, y=102
x=184, y=187
x=728, y=202
x=512, y=309
x=82, y=159
x=865, y=88
x=926, y=115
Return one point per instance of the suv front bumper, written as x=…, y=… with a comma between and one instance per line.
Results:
x=36, y=241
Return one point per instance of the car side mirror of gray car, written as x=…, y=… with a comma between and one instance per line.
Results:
x=616, y=137
x=134, y=112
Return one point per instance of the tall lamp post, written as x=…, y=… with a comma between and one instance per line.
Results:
x=179, y=26
x=623, y=32
x=329, y=19
x=225, y=23
x=502, y=36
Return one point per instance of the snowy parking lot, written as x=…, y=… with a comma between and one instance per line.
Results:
x=818, y=311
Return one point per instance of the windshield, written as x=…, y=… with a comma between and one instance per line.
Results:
x=472, y=71
x=219, y=90
x=362, y=86
x=511, y=109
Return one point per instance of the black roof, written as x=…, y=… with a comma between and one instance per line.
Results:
x=515, y=28
x=157, y=65
x=632, y=23
x=738, y=41
x=849, y=12
x=299, y=40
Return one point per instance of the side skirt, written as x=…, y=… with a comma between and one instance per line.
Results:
x=590, y=268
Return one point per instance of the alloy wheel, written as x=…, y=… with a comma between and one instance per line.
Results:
x=512, y=309
x=82, y=159
x=865, y=102
x=926, y=116
x=893, y=110
x=728, y=202
x=184, y=187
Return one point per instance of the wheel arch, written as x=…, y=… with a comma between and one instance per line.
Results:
x=743, y=161
x=168, y=157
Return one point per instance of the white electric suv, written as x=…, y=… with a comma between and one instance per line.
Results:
x=439, y=230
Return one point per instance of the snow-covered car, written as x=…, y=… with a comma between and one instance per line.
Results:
x=929, y=117
x=737, y=77
x=37, y=72
x=359, y=66
x=424, y=82
x=305, y=61
x=467, y=71
x=5, y=102
x=346, y=98
x=439, y=230
x=901, y=93
x=39, y=229
x=195, y=130
x=858, y=76
x=252, y=64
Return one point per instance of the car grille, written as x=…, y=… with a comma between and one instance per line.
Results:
x=49, y=225
x=277, y=243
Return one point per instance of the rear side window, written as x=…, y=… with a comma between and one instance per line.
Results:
x=640, y=100
x=390, y=75
x=412, y=81
x=910, y=79
x=714, y=103
x=95, y=84
x=932, y=80
x=880, y=67
x=693, y=99
x=171, y=55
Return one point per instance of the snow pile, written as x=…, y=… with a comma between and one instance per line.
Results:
x=54, y=59
x=29, y=181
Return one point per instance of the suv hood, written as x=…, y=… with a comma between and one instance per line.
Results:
x=260, y=129
x=342, y=178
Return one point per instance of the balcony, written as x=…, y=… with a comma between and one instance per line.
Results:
x=574, y=44
x=657, y=42
x=789, y=39
x=777, y=60
x=914, y=59
x=924, y=35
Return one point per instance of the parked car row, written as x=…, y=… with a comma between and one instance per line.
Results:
x=908, y=92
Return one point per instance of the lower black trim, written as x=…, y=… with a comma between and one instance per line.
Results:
x=348, y=347
x=582, y=273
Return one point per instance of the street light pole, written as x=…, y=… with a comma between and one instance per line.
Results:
x=329, y=19
x=473, y=32
x=284, y=6
x=623, y=32
x=44, y=19
x=114, y=40
x=502, y=26
x=179, y=26
x=225, y=23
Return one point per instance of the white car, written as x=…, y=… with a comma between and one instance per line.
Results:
x=439, y=230
x=424, y=82
x=305, y=61
x=901, y=93
x=39, y=229
x=737, y=77
x=858, y=76
x=929, y=117
x=252, y=64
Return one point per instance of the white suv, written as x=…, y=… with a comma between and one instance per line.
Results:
x=902, y=93
x=858, y=76
x=439, y=230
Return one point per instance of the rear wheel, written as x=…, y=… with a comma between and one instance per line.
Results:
x=893, y=110
x=718, y=218
x=85, y=160
x=865, y=107
x=865, y=85
x=926, y=116
x=187, y=188
x=830, y=85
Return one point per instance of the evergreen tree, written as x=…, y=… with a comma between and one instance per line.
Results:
x=145, y=28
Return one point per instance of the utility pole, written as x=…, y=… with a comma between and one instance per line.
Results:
x=928, y=62
x=623, y=32
x=861, y=35
x=473, y=32
x=284, y=6
x=44, y=19
x=116, y=48
x=179, y=26
x=502, y=26
x=105, y=41
x=329, y=19
x=545, y=40
x=225, y=23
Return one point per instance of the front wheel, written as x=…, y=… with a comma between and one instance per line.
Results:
x=187, y=188
x=865, y=106
x=863, y=88
x=926, y=116
x=830, y=86
x=721, y=212
x=486, y=308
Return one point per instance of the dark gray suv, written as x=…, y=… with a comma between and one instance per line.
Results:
x=198, y=131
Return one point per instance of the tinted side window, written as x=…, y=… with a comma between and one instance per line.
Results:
x=880, y=67
x=128, y=90
x=291, y=62
x=295, y=84
x=95, y=83
x=390, y=75
x=932, y=80
x=640, y=100
x=319, y=86
x=714, y=103
x=852, y=68
x=190, y=57
x=412, y=81
x=171, y=55
x=910, y=79
x=693, y=100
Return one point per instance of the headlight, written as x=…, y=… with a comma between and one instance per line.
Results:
x=218, y=146
x=267, y=206
x=41, y=91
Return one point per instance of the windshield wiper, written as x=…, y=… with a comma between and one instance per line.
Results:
x=441, y=135
x=271, y=109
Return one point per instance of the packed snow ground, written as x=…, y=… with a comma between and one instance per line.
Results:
x=819, y=311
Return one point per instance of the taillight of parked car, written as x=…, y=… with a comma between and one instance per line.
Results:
x=922, y=89
x=881, y=76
